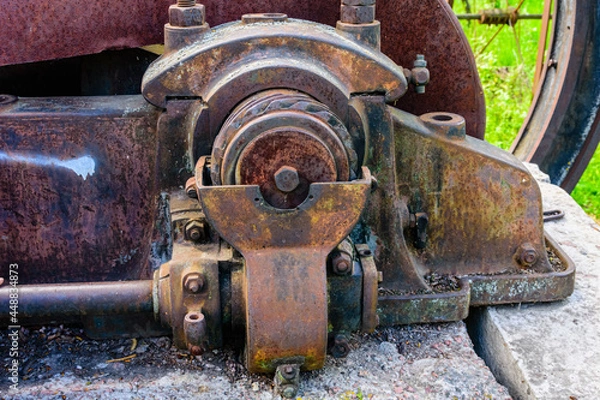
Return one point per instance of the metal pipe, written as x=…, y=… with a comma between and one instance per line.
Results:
x=78, y=299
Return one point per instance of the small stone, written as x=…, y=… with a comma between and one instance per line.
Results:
x=255, y=386
x=388, y=348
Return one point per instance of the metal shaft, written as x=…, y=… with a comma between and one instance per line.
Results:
x=478, y=16
x=73, y=299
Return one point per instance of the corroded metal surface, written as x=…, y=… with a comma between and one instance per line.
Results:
x=430, y=28
x=427, y=307
x=278, y=131
x=473, y=193
x=78, y=194
x=239, y=59
x=408, y=27
x=370, y=320
x=285, y=274
x=517, y=288
x=66, y=28
x=99, y=298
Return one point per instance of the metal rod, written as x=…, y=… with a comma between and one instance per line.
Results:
x=478, y=16
x=73, y=299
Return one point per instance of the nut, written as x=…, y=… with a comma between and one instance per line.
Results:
x=286, y=179
x=195, y=231
x=357, y=14
x=340, y=347
x=193, y=282
x=527, y=255
x=187, y=16
x=419, y=75
x=289, y=391
x=341, y=263
x=288, y=372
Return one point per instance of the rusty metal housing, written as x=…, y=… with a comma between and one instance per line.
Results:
x=264, y=184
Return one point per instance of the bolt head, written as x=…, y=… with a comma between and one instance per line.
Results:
x=527, y=255
x=357, y=14
x=287, y=179
x=288, y=372
x=187, y=16
x=341, y=347
x=195, y=231
x=193, y=282
x=288, y=391
x=341, y=263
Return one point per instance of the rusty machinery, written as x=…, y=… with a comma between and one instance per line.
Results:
x=267, y=183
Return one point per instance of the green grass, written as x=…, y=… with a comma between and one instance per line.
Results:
x=506, y=68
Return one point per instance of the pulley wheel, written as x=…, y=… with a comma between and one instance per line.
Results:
x=282, y=141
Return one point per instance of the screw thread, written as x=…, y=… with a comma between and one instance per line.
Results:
x=186, y=3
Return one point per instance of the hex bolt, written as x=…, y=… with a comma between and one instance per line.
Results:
x=420, y=74
x=288, y=372
x=287, y=380
x=193, y=282
x=195, y=231
x=287, y=179
x=186, y=13
x=340, y=347
x=341, y=263
x=527, y=255
x=288, y=392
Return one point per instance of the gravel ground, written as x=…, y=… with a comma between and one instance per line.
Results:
x=429, y=361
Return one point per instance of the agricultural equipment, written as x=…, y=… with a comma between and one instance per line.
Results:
x=280, y=179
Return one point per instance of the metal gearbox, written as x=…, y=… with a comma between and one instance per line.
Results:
x=289, y=201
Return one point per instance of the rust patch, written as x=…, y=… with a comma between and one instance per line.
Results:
x=286, y=253
x=77, y=196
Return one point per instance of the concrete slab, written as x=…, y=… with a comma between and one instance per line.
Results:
x=551, y=351
x=429, y=361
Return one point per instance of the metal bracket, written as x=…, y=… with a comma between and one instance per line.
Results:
x=285, y=250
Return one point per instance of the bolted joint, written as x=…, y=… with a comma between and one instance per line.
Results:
x=187, y=15
x=339, y=347
x=419, y=75
x=196, y=231
x=341, y=263
x=287, y=380
x=287, y=179
x=193, y=282
x=357, y=14
x=527, y=255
